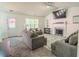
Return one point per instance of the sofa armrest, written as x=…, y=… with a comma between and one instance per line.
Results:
x=38, y=42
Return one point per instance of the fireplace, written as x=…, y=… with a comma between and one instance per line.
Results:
x=58, y=31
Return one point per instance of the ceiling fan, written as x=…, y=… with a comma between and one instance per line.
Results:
x=49, y=3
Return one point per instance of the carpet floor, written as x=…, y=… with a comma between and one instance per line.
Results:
x=40, y=52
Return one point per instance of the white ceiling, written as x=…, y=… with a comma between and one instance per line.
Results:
x=67, y=4
x=35, y=8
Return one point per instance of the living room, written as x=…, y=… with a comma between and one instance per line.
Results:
x=54, y=22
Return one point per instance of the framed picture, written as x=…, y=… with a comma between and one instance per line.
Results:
x=76, y=19
x=47, y=30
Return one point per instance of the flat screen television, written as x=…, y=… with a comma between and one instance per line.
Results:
x=60, y=13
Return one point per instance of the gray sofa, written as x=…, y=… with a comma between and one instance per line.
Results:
x=66, y=47
x=38, y=42
x=34, y=40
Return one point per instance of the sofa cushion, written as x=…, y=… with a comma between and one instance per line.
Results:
x=73, y=40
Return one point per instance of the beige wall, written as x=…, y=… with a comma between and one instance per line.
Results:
x=20, y=21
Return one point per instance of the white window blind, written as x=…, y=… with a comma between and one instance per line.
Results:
x=31, y=23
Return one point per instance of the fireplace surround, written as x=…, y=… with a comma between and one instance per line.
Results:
x=59, y=31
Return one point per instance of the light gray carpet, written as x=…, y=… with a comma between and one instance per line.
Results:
x=40, y=52
x=19, y=49
x=51, y=39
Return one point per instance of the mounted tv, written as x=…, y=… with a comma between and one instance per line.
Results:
x=60, y=13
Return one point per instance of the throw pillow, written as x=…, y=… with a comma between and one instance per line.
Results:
x=73, y=40
x=39, y=32
x=67, y=40
x=33, y=35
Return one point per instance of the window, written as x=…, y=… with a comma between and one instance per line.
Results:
x=31, y=23
x=11, y=22
x=3, y=28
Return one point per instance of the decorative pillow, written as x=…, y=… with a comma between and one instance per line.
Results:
x=34, y=35
x=39, y=32
x=67, y=40
x=73, y=40
x=35, y=32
